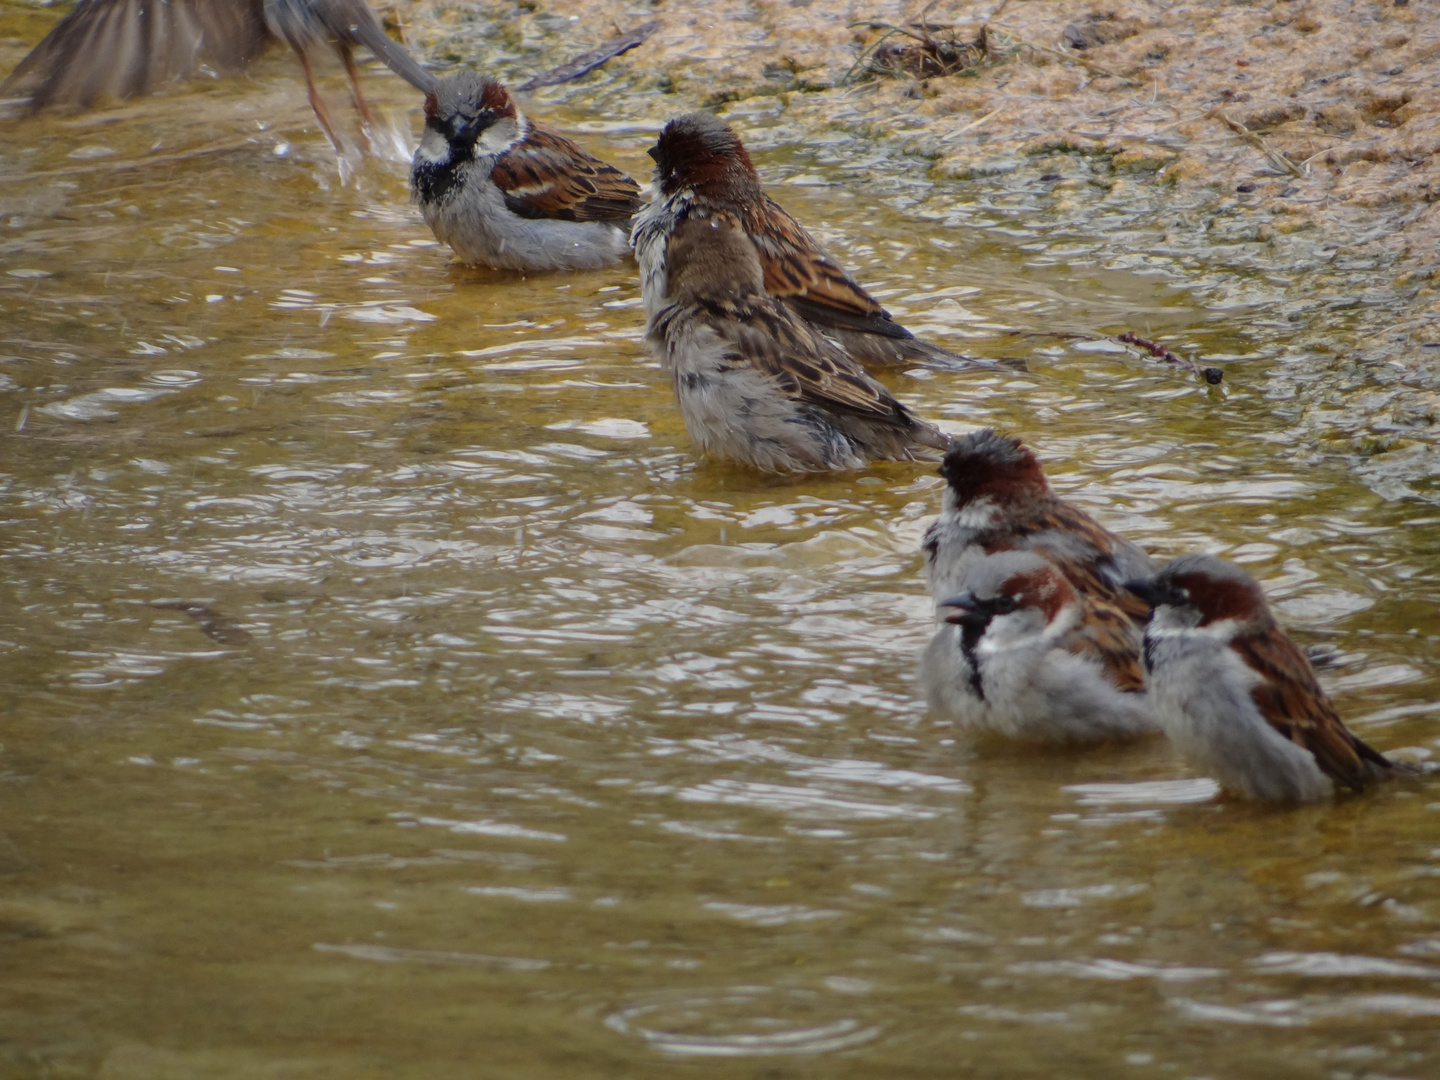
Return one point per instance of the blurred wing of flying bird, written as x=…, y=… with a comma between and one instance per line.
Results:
x=125, y=48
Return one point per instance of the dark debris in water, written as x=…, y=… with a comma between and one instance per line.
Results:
x=926, y=58
x=1211, y=375
x=922, y=50
x=1098, y=29
x=213, y=624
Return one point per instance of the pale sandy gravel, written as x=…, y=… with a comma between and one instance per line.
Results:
x=1348, y=90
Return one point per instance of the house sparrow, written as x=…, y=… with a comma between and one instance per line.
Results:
x=128, y=47
x=701, y=168
x=997, y=499
x=1236, y=696
x=754, y=382
x=1023, y=654
x=508, y=192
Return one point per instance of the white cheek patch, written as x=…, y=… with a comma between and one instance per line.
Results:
x=1166, y=622
x=433, y=149
x=500, y=136
x=978, y=514
x=1013, y=631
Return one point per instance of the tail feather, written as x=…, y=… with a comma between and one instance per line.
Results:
x=926, y=434
x=353, y=21
x=883, y=351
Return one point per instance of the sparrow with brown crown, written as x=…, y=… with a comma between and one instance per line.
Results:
x=997, y=499
x=756, y=384
x=1237, y=697
x=123, y=48
x=1022, y=654
x=505, y=191
x=702, y=169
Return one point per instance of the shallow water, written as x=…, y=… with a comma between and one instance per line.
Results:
x=390, y=691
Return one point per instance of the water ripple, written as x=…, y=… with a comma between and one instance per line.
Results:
x=1337, y=965
x=743, y=1022
x=385, y=954
x=803, y=801
x=1113, y=970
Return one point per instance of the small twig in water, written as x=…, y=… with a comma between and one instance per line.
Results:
x=949, y=135
x=212, y=623
x=1211, y=375
x=1276, y=158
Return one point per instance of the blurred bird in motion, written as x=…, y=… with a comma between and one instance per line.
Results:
x=124, y=48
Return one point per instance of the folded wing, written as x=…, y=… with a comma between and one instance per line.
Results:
x=548, y=176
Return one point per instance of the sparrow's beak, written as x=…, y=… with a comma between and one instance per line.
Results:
x=654, y=153
x=1148, y=590
x=470, y=131
x=969, y=610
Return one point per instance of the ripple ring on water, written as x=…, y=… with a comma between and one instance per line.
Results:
x=741, y=1022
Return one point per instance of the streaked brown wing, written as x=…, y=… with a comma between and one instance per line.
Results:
x=1290, y=698
x=798, y=271
x=1090, y=556
x=804, y=364
x=128, y=47
x=548, y=176
x=822, y=310
x=1112, y=640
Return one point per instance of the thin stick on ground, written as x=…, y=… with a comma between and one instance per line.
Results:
x=1279, y=160
x=951, y=135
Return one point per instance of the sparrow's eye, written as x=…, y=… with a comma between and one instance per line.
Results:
x=1006, y=604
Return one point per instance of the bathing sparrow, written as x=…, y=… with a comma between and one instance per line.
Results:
x=508, y=192
x=754, y=382
x=1236, y=696
x=1022, y=653
x=997, y=499
x=701, y=168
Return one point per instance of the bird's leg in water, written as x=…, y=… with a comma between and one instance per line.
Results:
x=367, y=118
x=318, y=104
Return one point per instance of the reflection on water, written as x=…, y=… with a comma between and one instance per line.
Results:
x=387, y=680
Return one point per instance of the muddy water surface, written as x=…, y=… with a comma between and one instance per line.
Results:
x=390, y=691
